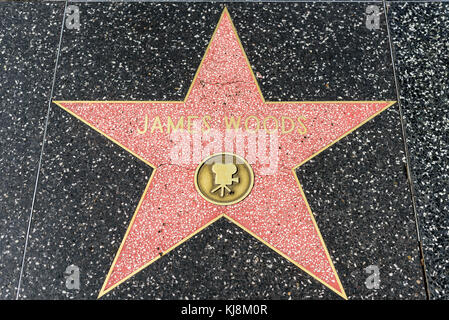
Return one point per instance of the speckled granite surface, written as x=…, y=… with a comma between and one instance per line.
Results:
x=420, y=35
x=28, y=47
x=89, y=187
x=365, y=213
x=222, y=1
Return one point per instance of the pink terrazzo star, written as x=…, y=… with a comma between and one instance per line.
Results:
x=171, y=210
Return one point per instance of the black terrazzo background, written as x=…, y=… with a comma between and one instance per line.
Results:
x=420, y=35
x=233, y=1
x=302, y=44
x=126, y=50
x=321, y=52
x=359, y=193
x=28, y=46
x=220, y=1
x=89, y=187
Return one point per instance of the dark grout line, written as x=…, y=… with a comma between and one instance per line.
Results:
x=407, y=155
x=240, y=1
x=42, y=151
x=397, y=90
x=257, y=1
x=227, y=1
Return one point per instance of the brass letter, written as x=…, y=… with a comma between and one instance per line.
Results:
x=189, y=123
x=292, y=125
x=232, y=122
x=146, y=126
x=265, y=124
x=171, y=125
x=206, y=124
x=157, y=125
x=304, y=128
x=246, y=123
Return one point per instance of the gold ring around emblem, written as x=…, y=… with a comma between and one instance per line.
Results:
x=224, y=178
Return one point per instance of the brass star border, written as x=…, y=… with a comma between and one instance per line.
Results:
x=64, y=105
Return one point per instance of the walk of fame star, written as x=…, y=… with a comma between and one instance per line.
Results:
x=274, y=208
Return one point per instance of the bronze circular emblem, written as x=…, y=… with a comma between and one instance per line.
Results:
x=224, y=178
